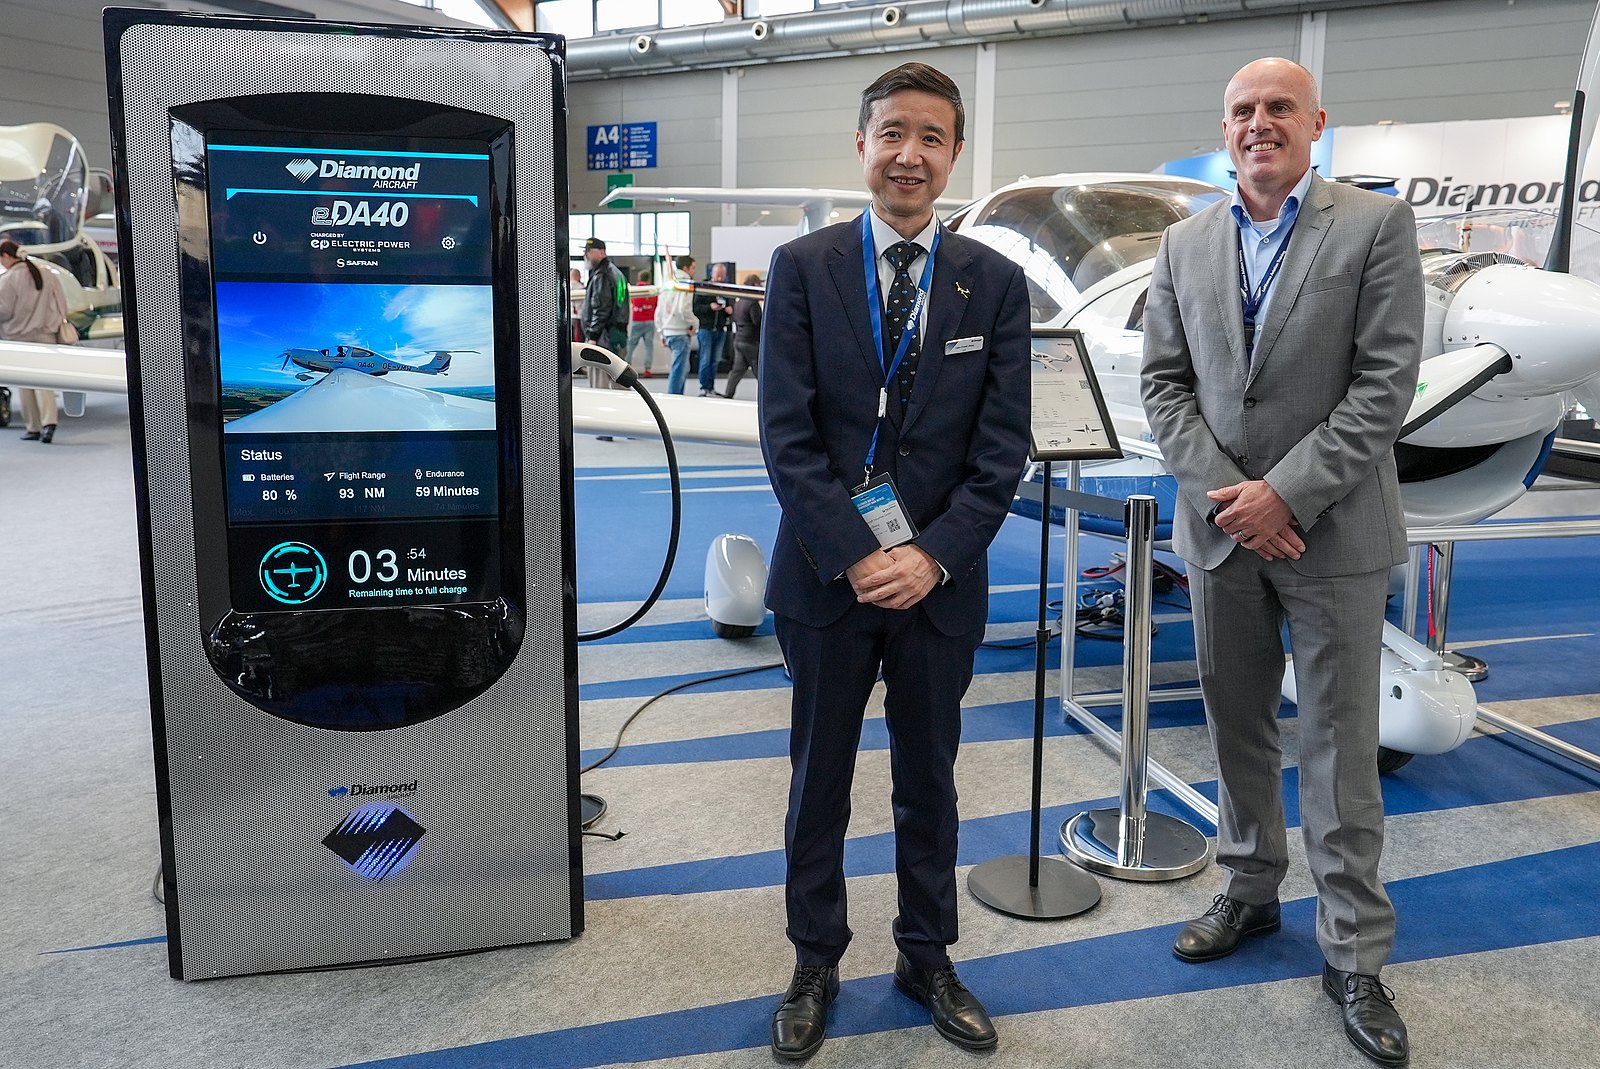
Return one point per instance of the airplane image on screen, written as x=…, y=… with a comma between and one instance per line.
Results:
x=357, y=358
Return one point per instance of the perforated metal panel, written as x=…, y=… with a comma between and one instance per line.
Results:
x=255, y=889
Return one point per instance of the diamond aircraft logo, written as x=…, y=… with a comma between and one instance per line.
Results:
x=301, y=169
x=376, y=840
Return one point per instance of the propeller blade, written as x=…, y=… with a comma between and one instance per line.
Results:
x=1559, y=258
x=1578, y=142
x=1449, y=378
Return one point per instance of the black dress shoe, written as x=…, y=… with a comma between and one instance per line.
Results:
x=31, y=436
x=1220, y=930
x=957, y=1014
x=800, y=1023
x=47, y=435
x=1370, y=1019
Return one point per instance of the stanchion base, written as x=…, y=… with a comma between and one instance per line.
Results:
x=591, y=807
x=1475, y=669
x=1001, y=883
x=1172, y=849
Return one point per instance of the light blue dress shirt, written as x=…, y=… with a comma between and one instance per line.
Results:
x=1260, y=241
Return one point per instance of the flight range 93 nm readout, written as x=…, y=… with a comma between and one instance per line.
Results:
x=355, y=349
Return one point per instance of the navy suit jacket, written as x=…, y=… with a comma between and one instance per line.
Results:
x=956, y=451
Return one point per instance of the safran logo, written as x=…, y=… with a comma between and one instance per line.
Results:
x=376, y=840
x=301, y=169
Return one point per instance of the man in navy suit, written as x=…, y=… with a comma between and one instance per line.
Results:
x=894, y=401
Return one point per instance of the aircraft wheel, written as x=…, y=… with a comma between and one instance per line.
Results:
x=1392, y=760
x=5, y=407
x=723, y=630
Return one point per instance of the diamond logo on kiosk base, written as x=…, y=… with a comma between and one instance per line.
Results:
x=376, y=840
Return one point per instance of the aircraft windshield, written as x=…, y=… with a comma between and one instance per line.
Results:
x=1456, y=246
x=41, y=199
x=1067, y=238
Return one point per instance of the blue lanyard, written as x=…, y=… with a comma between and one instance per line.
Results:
x=869, y=263
x=1252, y=302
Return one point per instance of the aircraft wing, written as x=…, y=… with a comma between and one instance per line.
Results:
x=715, y=420
x=816, y=205
x=1451, y=377
x=63, y=367
x=693, y=419
x=724, y=289
x=768, y=197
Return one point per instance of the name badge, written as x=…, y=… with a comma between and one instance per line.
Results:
x=879, y=505
x=963, y=345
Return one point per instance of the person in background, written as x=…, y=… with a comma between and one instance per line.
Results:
x=605, y=317
x=642, y=325
x=575, y=304
x=674, y=321
x=746, y=335
x=713, y=313
x=32, y=309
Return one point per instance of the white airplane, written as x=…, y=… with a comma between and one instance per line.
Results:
x=46, y=192
x=359, y=358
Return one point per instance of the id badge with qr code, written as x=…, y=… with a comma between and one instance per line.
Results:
x=879, y=505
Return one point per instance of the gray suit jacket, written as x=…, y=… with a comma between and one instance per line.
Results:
x=1317, y=412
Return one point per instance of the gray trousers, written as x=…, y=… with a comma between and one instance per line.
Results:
x=1335, y=629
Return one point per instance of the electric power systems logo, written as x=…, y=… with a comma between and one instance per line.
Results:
x=301, y=169
x=376, y=840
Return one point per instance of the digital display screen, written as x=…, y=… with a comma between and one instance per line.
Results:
x=355, y=352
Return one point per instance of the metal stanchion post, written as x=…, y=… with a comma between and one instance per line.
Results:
x=1408, y=604
x=1130, y=842
x=1032, y=887
x=1069, y=588
x=1473, y=668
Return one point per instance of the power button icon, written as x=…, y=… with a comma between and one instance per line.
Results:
x=259, y=237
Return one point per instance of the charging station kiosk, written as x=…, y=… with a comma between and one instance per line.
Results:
x=344, y=255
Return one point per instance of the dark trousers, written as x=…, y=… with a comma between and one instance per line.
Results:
x=834, y=669
x=744, y=359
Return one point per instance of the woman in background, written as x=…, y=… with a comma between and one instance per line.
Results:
x=32, y=309
x=746, y=335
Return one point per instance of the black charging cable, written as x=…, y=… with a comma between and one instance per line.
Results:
x=593, y=356
x=626, y=724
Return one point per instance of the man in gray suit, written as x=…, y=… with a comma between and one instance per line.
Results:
x=1282, y=336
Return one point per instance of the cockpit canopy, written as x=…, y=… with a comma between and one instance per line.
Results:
x=1070, y=235
x=1456, y=247
x=44, y=184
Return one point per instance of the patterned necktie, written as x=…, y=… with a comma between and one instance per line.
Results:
x=902, y=294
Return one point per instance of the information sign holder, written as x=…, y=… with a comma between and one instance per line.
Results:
x=1069, y=422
